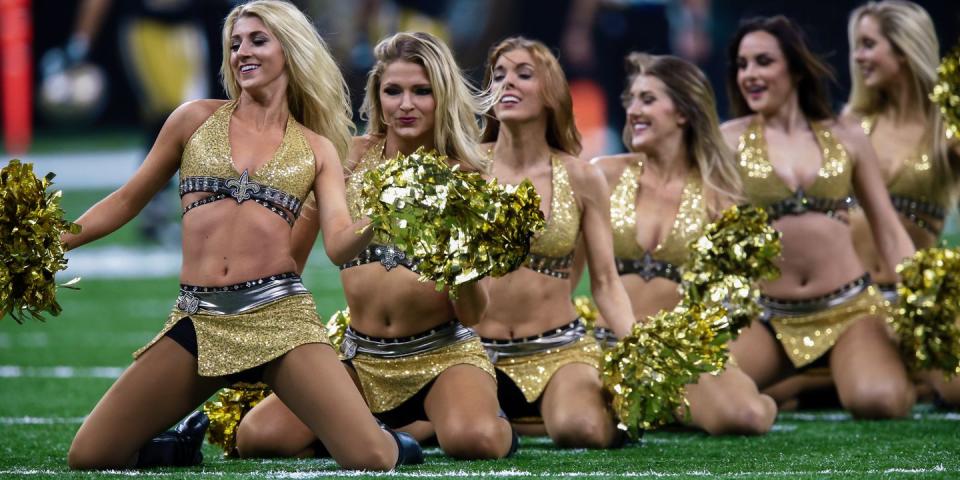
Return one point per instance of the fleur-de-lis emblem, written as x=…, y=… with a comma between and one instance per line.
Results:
x=241, y=188
x=187, y=302
x=649, y=268
x=390, y=257
x=798, y=204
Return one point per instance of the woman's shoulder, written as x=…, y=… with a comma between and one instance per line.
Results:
x=612, y=166
x=188, y=117
x=734, y=128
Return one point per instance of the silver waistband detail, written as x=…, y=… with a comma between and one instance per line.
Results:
x=560, y=337
x=442, y=336
x=605, y=337
x=774, y=308
x=234, y=302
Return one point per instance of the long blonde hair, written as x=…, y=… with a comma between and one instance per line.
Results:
x=562, y=133
x=317, y=93
x=910, y=31
x=693, y=97
x=455, y=131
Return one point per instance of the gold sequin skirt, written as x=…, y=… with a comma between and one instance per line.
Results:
x=807, y=337
x=388, y=382
x=231, y=343
x=531, y=373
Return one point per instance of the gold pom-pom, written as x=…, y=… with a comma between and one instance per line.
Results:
x=458, y=226
x=646, y=371
x=337, y=326
x=226, y=411
x=587, y=310
x=728, y=259
x=926, y=317
x=31, y=253
x=946, y=93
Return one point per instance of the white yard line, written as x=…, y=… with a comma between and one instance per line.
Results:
x=506, y=473
x=60, y=371
x=41, y=420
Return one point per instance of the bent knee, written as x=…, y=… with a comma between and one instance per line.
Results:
x=257, y=439
x=879, y=400
x=372, y=459
x=586, y=431
x=476, y=440
x=85, y=456
x=752, y=416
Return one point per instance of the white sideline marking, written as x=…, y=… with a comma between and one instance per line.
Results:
x=112, y=167
x=508, y=473
x=40, y=420
x=118, y=261
x=75, y=339
x=60, y=371
x=121, y=262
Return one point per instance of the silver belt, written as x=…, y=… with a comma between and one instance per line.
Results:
x=552, y=339
x=774, y=308
x=442, y=336
x=238, y=298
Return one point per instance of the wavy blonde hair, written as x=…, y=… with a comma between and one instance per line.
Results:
x=317, y=93
x=562, y=133
x=693, y=97
x=456, y=131
x=910, y=31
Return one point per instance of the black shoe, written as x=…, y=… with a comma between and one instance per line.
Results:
x=515, y=441
x=408, y=450
x=179, y=447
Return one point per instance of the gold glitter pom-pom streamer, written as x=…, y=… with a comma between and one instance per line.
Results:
x=587, y=310
x=226, y=411
x=647, y=370
x=456, y=225
x=728, y=259
x=946, y=93
x=31, y=253
x=926, y=317
x=337, y=327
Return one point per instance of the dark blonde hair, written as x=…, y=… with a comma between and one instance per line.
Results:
x=562, y=133
x=910, y=31
x=693, y=97
x=455, y=131
x=809, y=72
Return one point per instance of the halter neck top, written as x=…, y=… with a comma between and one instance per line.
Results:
x=281, y=184
x=831, y=191
x=914, y=189
x=551, y=251
x=667, y=258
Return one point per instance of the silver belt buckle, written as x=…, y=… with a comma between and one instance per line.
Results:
x=188, y=302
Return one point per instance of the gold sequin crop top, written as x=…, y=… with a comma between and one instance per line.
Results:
x=667, y=259
x=914, y=189
x=551, y=251
x=830, y=193
x=281, y=185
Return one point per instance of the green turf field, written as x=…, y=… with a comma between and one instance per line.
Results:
x=52, y=374
x=41, y=407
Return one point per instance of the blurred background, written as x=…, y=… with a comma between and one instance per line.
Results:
x=86, y=84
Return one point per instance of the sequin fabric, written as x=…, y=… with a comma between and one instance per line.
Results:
x=371, y=158
x=233, y=343
x=292, y=169
x=687, y=225
x=531, y=373
x=915, y=181
x=805, y=338
x=559, y=237
x=762, y=187
x=388, y=382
